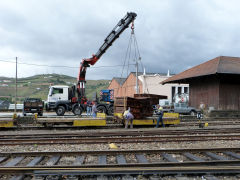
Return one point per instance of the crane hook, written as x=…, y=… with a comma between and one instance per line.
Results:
x=132, y=27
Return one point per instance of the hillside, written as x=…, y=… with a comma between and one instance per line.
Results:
x=38, y=85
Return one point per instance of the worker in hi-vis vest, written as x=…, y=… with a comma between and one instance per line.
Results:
x=160, y=117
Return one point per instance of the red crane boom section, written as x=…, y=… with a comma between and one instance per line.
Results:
x=85, y=63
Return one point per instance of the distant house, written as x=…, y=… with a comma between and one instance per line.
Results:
x=215, y=83
x=116, y=84
x=4, y=104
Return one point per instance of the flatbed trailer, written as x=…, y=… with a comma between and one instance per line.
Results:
x=168, y=119
x=100, y=121
x=6, y=122
x=73, y=121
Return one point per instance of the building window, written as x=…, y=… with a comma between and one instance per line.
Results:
x=179, y=90
x=185, y=89
x=173, y=92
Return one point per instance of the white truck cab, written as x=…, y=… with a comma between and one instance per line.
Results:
x=57, y=93
x=60, y=100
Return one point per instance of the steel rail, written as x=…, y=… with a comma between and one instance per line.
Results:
x=113, y=152
x=147, y=171
x=161, y=164
x=121, y=170
x=98, y=140
x=128, y=132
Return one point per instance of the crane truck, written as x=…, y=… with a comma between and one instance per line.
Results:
x=64, y=98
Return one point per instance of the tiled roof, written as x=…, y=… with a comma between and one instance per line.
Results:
x=141, y=73
x=221, y=65
x=119, y=80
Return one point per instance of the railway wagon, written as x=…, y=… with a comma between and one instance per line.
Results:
x=141, y=106
x=82, y=121
x=103, y=120
x=168, y=119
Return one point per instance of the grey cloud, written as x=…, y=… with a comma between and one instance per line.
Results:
x=171, y=34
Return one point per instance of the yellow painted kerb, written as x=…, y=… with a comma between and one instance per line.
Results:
x=168, y=118
x=101, y=115
x=90, y=122
x=6, y=123
x=119, y=115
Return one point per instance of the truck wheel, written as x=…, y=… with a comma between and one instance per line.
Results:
x=60, y=110
x=46, y=107
x=101, y=109
x=192, y=113
x=110, y=111
x=77, y=110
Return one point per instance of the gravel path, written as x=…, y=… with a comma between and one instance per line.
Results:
x=121, y=146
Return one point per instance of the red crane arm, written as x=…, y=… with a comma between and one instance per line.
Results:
x=85, y=63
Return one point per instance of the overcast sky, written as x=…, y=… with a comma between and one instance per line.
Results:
x=171, y=34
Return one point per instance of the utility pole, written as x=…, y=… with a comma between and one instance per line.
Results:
x=15, y=110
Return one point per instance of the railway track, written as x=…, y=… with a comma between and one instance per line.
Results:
x=123, y=136
x=214, y=161
x=210, y=123
x=123, y=132
x=103, y=140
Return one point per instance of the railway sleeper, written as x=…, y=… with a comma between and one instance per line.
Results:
x=121, y=158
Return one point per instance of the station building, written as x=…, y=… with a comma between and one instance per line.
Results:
x=215, y=83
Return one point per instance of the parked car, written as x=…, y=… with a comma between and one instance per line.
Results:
x=165, y=104
x=183, y=108
x=33, y=105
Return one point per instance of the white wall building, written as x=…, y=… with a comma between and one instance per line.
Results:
x=151, y=84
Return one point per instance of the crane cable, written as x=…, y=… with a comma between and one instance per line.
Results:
x=132, y=53
x=137, y=53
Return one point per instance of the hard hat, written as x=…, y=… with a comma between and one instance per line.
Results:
x=160, y=108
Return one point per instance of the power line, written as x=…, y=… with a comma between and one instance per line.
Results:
x=44, y=65
x=7, y=61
